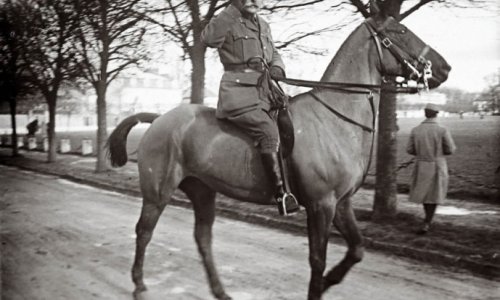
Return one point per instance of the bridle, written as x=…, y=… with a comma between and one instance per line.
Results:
x=419, y=67
x=411, y=62
x=381, y=39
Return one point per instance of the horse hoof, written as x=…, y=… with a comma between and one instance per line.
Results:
x=223, y=296
x=140, y=293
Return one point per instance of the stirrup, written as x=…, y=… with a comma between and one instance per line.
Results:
x=287, y=204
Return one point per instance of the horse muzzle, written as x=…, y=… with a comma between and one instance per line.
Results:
x=439, y=76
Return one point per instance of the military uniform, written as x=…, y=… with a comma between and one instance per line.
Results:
x=244, y=93
x=240, y=99
x=430, y=142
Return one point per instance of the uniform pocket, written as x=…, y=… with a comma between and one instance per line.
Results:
x=240, y=78
x=238, y=92
x=267, y=45
x=245, y=45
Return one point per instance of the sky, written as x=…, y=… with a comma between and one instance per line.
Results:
x=469, y=39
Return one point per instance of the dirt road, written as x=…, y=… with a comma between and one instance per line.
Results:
x=62, y=240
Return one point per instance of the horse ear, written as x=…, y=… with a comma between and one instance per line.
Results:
x=378, y=10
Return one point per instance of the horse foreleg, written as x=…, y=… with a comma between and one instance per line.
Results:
x=345, y=222
x=144, y=230
x=203, y=199
x=319, y=221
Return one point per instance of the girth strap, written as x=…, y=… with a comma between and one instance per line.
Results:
x=341, y=116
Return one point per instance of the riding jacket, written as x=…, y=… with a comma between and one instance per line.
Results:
x=238, y=39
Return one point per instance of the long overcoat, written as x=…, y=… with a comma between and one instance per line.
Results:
x=430, y=142
x=238, y=39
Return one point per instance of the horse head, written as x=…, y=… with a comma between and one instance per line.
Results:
x=403, y=53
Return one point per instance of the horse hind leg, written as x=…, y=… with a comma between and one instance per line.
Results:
x=345, y=222
x=203, y=199
x=150, y=214
x=152, y=206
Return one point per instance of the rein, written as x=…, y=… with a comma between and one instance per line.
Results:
x=380, y=40
x=348, y=87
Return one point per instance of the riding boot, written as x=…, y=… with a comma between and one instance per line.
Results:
x=287, y=203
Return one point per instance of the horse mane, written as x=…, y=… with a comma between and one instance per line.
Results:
x=346, y=46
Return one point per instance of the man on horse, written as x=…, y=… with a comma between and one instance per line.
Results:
x=247, y=96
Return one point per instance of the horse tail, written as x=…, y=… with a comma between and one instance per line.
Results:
x=117, y=141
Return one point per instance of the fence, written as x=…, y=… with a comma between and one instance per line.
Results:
x=41, y=143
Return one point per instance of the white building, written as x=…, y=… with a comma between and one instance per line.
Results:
x=138, y=91
x=412, y=105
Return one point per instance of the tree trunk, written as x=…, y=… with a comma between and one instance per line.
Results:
x=198, y=72
x=51, y=129
x=385, y=202
x=102, y=132
x=13, y=112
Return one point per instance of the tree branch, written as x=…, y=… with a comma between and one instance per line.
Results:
x=414, y=8
x=291, y=6
x=115, y=72
x=362, y=8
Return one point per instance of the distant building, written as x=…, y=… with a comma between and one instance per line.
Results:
x=132, y=92
x=138, y=91
x=488, y=101
x=412, y=105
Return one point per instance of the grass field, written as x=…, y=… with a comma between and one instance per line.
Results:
x=472, y=167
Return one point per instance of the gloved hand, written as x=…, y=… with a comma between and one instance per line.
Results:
x=277, y=73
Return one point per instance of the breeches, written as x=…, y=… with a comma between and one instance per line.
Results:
x=260, y=125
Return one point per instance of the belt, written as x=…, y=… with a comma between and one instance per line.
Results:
x=243, y=68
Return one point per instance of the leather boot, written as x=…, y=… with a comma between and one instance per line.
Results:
x=287, y=203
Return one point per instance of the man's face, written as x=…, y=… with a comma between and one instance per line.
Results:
x=248, y=6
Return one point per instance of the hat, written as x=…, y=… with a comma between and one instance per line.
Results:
x=432, y=107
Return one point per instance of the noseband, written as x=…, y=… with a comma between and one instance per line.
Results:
x=411, y=62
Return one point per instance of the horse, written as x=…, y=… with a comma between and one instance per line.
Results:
x=189, y=149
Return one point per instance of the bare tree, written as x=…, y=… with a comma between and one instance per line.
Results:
x=9, y=65
x=44, y=40
x=108, y=42
x=183, y=22
x=9, y=62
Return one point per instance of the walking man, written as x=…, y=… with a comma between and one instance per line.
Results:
x=430, y=142
x=241, y=35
